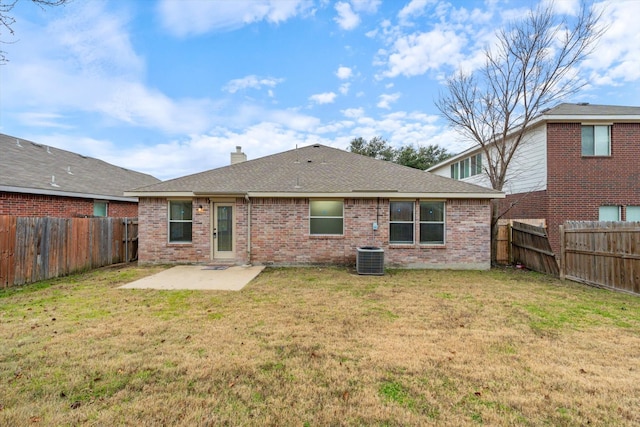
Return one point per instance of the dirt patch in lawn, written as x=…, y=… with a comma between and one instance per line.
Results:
x=321, y=347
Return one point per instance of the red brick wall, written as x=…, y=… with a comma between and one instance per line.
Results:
x=280, y=235
x=577, y=186
x=525, y=205
x=20, y=204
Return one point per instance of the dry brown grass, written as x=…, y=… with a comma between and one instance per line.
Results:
x=321, y=347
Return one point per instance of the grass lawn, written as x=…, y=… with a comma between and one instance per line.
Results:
x=316, y=347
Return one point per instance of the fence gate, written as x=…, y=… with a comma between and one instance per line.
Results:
x=530, y=247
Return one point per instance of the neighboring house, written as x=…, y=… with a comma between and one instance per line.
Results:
x=315, y=205
x=577, y=162
x=37, y=180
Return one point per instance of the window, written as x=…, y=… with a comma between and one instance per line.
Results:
x=596, y=140
x=401, y=222
x=609, y=213
x=180, y=221
x=467, y=167
x=454, y=171
x=476, y=164
x=633, y=213
x=326, y=217
x=100, y=208
x=432, y=223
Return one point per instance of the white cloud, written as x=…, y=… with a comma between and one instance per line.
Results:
x=323, y=98
x=414, y=9
x=616, y=58
x=251, y=82
x=193, y=17
x=369, y=6
x=415, y=54
x=387, y=99
x=353, y=113
x=344, y=88
x=346, y=19
x=344, y=73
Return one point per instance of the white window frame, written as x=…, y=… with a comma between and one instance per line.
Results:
x=412, y=222
x=443, y=222
x=326, y=217
x=172, y=221
x=596, y=152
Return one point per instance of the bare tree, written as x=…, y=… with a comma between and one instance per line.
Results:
x=533, y=66
x=7, y=20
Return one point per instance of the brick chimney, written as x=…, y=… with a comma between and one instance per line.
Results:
x=238, y=156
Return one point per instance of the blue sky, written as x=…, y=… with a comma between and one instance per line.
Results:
x=171, y=87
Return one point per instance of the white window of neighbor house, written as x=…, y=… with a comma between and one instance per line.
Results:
x=401, y=223
x=609, y=213
x=180, y=221
x=633, y=213
x=596, y=140
x=326, y=217
x=100, y=208
x=432, y=223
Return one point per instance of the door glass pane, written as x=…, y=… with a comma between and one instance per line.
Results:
x=224, y=228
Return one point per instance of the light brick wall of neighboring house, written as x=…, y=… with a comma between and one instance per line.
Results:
x=25, y=205
x=578, y=186
x=280, y=235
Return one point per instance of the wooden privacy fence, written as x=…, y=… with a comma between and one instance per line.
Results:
x=503, y=245
x=603, y=254
x=530, y=247
x=33, y=249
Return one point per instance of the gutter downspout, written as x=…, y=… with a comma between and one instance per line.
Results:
x=246, y=197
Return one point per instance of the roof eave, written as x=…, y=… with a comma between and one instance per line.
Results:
x=382, y=194
x=25, y=190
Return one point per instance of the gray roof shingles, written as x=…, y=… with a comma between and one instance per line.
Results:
x=30, y=166
x=315, y=169
x=585, y=109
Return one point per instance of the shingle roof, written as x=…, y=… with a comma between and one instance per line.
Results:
x=585, y=109
x=316, y=169
x=26, y=166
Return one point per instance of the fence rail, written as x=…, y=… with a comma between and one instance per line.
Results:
x=603, y=254
x=33, y=249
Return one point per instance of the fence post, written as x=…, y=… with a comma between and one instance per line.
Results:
x=563, y=258
x=126, y=240
x=509, y=242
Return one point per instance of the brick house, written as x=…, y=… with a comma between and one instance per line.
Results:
x=36, y=180
x=315, y=205
x=577, y=162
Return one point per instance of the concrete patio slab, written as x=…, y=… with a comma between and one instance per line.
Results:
x=199, y=277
